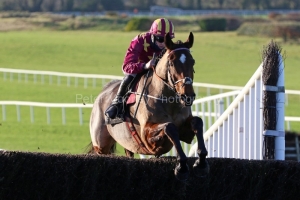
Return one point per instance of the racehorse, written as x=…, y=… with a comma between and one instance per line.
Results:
x=164, y=116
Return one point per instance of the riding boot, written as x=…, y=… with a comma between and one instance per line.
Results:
x=116, y=103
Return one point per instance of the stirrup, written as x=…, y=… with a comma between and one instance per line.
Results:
x=112, y=111
x=110, y=121
x=118, y=116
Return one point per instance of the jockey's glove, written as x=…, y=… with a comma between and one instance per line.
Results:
x=150, y=63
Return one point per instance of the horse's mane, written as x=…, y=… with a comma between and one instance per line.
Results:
x=109, y=84
x=160, y=56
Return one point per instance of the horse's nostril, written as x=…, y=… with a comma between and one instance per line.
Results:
x=188, y=100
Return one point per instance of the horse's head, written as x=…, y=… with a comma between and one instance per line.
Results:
x=180, y=68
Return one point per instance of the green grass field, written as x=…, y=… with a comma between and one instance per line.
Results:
x=221, y=58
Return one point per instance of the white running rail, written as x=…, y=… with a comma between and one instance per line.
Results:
x=73, y=78
x=50, y=76
x=47, y=106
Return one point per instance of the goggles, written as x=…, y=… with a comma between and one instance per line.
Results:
x=159, y=39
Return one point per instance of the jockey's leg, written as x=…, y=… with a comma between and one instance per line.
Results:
x=181, y=170
x=116, y=103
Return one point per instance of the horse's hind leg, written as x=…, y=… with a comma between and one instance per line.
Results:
x=129, y=153
x=102, y=141
x=201, y=167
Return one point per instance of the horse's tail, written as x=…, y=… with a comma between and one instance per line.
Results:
x=89, y=149
x=113, y=148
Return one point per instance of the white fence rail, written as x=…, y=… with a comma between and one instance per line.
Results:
x=238, y=132
x=47, y=107
x=230, y=135
x=73, y=78
x=40, y=76
x=209, y=108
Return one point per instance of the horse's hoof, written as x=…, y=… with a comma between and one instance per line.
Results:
x=201, y=171
x=181, y=174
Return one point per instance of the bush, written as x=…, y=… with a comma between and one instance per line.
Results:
x=274, y=15
x=219, y=22
x=288, y=31
x=289, y=17
x=111, y=14
x=138, y=24
x=213, y=24
x=15, y=14
x=233, y=23
x=255, y=19
x=285, y=30
x=256, y=29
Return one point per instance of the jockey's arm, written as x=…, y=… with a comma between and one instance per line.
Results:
x=132, y=64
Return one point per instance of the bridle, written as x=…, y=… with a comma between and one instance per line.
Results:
x=185, y=80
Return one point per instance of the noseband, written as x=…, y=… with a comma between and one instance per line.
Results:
x=185, y=80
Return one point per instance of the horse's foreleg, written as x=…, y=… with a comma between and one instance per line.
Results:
x=181, y=169
x=201, y=167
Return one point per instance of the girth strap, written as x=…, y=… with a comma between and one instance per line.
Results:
x=135, y=134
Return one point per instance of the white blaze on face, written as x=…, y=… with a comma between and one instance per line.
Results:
x=182, y=58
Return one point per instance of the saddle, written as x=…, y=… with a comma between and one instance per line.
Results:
x=128, y=99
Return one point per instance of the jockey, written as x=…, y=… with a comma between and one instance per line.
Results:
x=139, y=57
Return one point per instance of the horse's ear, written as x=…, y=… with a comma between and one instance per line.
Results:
x=190, y=41
x=168, y=41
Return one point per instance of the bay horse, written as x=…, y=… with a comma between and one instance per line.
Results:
x=164, y=116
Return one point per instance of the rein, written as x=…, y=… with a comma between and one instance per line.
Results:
x=164, y=80
x=147, y=95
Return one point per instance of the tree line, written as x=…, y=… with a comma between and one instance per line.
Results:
x=138, y=5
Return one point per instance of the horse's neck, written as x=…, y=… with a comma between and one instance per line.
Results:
x=162, y=71
x=160, y=85
x=161, y=67
x=159, y=76
x=168, y=104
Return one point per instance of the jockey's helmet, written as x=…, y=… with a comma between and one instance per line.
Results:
x=162, y=26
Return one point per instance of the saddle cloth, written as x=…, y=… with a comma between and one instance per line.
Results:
x=132, y=96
